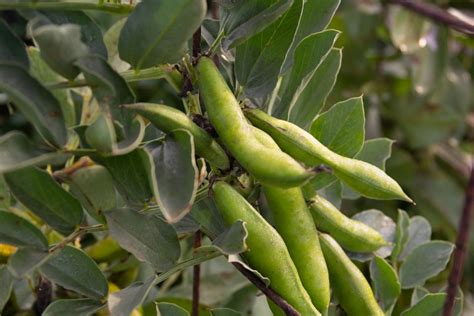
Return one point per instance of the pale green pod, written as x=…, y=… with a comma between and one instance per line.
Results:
x=269, y=166
x=348, y=283
x=361, y=176
x=168, y=119
x=350, y=234
x=267, y=252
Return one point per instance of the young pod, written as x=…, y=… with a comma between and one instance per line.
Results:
x=269, y=166
x=168, y=119
x=348, y=283
x=352, y=235
x=361, y=176
x=294, y=223
x=267, y=252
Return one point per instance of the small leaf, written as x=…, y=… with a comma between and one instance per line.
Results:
x=401, y=236
x=385, y=281
x=146, y=236
x=175, y=177
x=406, y=29
x=418, y=294
x=60, y=46
x=342, y=128
x=25, y=260
x=74, y=270
x=35, y=102
x=43, y=196
x=168, y=309
x=419, y=232
x=123, y=302
x=430, y=304
x=18, y=152
x=206, y=214
x=6, y=286
x=232, y=240
x=424, y=262
x=15, y=51
x=73, y=307
x=157, y=31
x=243, y=19
x=17, y=231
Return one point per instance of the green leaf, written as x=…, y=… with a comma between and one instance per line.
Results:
x=146, y=236
x=60, y=46
x=342, y=128
x=224, y=312
x=36, y=103
x=232, y=240
x=6, y=286
x=381, y=223
x=25, y=260
x=72, y=269
x=123, y=302
x=259, y=59
x=131, y=174
x=418, y=294
x=206, y=214
x=401, y=235
x=424, y=262
x=309, y=54
x=18, y=152
x=419, y=232
x=17, y=231
x=315, y=17
x=94, y=187
x=385, y=282
x=15, y=51
x=243, y=19
x=407, y=29
x=376, y=152
x=43, y=73
x=168, y=309
x=111, y=38
x=429, y=305
x=73, y=307
x=43, y=196
x=5, y=198
x=175, y=176
x=157, y=32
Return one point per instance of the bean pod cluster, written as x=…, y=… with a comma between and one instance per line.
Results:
x=289, y=247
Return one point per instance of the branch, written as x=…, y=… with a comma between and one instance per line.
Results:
x=436, y=14
x=105, y=7
x=277, y=299
x=461, y=247
x=76, y=234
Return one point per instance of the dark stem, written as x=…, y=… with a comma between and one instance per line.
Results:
x=197, y=43
x=461, y=247
x=277, y=299
x=436, y=14
x=44, y=295
x=214, y=9
x=196, y=276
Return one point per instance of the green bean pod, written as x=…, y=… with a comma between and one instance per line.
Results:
x=361, y=176
x=352, y=235
x=168, y=119
x=294, y=223
x=269, y=166
x=267, y=251
x=348, y=283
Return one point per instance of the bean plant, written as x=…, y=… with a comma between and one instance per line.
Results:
x=184, y=157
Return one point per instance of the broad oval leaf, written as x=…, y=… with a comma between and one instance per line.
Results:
x=36, y=103
x=74, y=270
x=42, y=195
x=175, y=176
x=25, y=260
x=431, y=304
x=419, y=232
x=385, y=282
x=424, y=262
x=123, y=302
x=17, y=152
x=169, y=309
x=73, y=307
x=15, y=51
x=17, y=231
x=6, y=286
x=157, y=31
x=146, y=236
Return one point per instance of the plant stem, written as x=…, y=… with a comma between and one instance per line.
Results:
x=436, y=14
x=277, y=299
x=105, y=7
x=461, y=247
x=77, y=233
